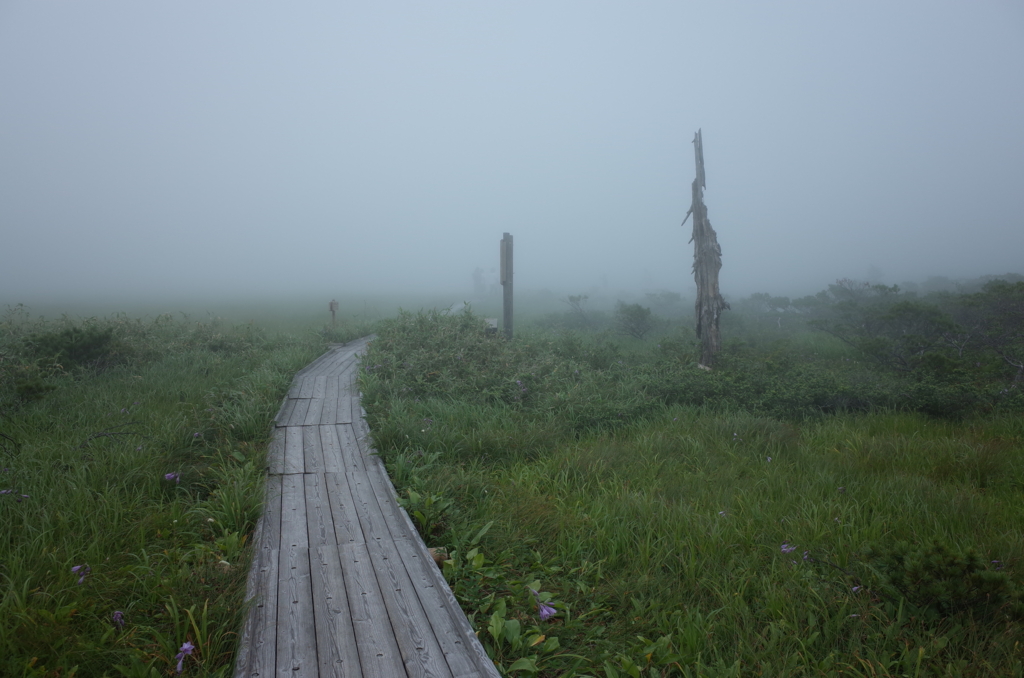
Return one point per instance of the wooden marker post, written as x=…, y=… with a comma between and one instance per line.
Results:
x=506, y=284
x=333, y=306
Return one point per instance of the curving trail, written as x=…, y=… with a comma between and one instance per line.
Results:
x=342, y=585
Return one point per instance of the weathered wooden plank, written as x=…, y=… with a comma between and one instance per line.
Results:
x=298, y=414
x=379, y=656
x=331, y=446
x=263, y=639
x=275, y=452
x=296, y=632
x=361, y=428
x=270, y=537
x=319, y=521
x=315, y=365
x=316, y=408
x=335, y=637
x=285, y=413
x=312, y=450
x=420, y=650
x=293, y=512
x=293, y=461
x=319, y=386
x=384, y=493
x=347, y=529
x=451, y=637
x=306, y=389
x=343, y=410
x=431, y=583
x=371, y=519
x=329, y=413
x=351, y=457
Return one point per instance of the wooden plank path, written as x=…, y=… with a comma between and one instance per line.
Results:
x=341, y=584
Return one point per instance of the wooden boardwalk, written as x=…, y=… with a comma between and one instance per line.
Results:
x=342, y=585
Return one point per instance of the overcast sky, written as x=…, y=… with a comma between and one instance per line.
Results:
x=183, y=148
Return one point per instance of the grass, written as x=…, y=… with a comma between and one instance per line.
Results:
x=714, y=536
x=134, y=480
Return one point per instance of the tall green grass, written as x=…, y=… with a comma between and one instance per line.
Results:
x=133, y=477
x=711, y=537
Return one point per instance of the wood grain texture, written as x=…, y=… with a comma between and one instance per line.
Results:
x=298, y=413
x=270, y=537
x=335, y=637
x=347, y=529
x=312, y=450
x=420, y=651
x=316, y=408
x=331, y=446
x=275, y=452
x=384, y=493
x=351, y=456
x=451, y=638
x=343, y=408
x=263, y=639
x=329, y=413
x=379, y=655
x=293, y=456
x=284, y=414
x=293, y=512
x=296, y=632
x=306, y=387
x=319, y=521
x=371, y=519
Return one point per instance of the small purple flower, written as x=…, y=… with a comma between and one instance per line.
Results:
x=807, y=555
x=787, y=547
x=118, y=619
x=6, y=491
x=722, y=513
x=544, y=610
x=124, y=410
x=176, y=477
x=81, y=570
x=184, y=650
x=196, y=434
x=856, y=588
x=769, y=458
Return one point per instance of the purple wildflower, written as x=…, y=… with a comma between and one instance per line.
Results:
x=6, y=491
x=807, y=555
x=769, y=458
x=544, y=610
x=722, y=513
x=856, y=588
x=176, y=477
x=787, y=547
x=185, y=649
x=81, y=570
x=118, y=619
x=196, y=434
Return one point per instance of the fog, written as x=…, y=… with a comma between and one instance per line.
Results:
x=319, y=149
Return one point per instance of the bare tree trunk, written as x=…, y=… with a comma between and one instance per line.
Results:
x=707, y=261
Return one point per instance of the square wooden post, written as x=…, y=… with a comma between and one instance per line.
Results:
x=506, y=284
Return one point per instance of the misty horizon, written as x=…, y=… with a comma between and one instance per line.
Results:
x=256, y=151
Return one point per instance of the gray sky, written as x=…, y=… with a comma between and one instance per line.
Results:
x=184, y=148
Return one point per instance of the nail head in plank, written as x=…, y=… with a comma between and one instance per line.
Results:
x=351, y=456
x=335, y=637
x=319, y=520
x=420, y=649
x=262, y=621
x=296, y=632
x=379, y=656
x=343, y=510
x=293, y=512
x=270, y=537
